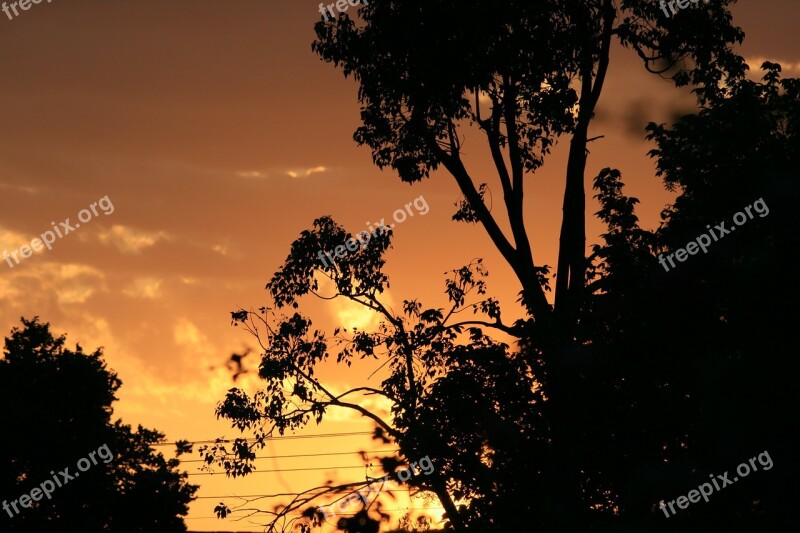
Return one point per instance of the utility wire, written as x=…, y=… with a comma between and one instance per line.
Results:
x=278, y=495
x=282, y=470
x=298, y=455
x=337, y=514
x=286, y=437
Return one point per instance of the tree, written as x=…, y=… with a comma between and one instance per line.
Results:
x=691, y=376
x=59, y=404
x=427, y=372
x=421, y=65
x=424, y=69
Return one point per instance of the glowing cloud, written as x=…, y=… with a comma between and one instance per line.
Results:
x=297, y=173
x=144, y=288
x=755, y=65
x=128, y=240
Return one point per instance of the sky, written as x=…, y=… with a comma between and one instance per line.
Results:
x=218, y=136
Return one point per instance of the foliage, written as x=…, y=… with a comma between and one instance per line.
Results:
x=59, y=403
x=606, y=404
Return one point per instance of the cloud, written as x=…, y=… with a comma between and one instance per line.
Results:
x=76, y=294
x=297, y=173
x=251, y=174
x=21, y=188
x=755, y=65
x=144, y=387
x=79, y=282
x=11, y=240
x=68, y=283
x=73, y=270
x=350, y=314
x=144, y=288
x=130, y=241
x=197, y=346
x=9, y=291
x=186, y=334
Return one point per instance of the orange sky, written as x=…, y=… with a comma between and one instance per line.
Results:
x=219, y=136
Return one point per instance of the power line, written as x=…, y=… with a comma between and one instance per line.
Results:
x=282, y=470
x=286, y=437
x=278, y=495
x=337, y=514
x=298, y=455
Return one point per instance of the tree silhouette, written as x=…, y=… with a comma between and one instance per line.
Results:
x=611, y=402
x=59, y=406
x=686, y=370
x=418, y=345
x=423, y=69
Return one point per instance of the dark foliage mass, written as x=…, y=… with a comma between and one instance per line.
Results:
x=637, y=384
x=57, y=409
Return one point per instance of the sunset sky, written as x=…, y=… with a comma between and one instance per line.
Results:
x=219, y=136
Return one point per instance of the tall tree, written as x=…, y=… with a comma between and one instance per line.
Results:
x=59, y=403
x=524, y=75
x=689, y=366
x=423, y=69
